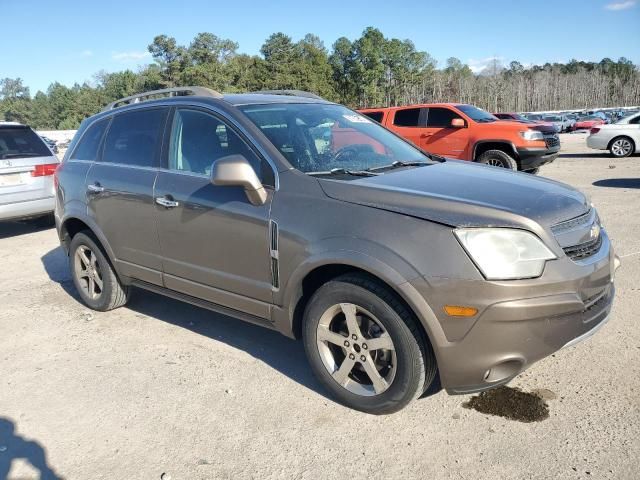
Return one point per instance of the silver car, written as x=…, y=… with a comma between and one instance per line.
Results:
x=621, y=138
x=27, y=166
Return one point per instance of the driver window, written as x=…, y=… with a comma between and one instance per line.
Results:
x=198, y=139
x=440, y=117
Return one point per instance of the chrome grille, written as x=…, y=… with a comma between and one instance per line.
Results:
x=584, y=250
x=573, y=223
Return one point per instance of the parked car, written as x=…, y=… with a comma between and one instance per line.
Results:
x=554, y=120
x=587, y=122
x=466, y=132
x=621, y=138
x=26, y=174
x=391, y=265
x=53, y=146
x=516, y=117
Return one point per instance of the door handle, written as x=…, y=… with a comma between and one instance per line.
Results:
x=425, y=135
x=95, y=188
x=167, y=202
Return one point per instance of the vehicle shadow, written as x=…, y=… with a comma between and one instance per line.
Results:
x=618, y=183
x=585, y=155
x=285, y=355
x=15, y=447
x=14, y=229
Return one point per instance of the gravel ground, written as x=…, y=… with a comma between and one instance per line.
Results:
x=161, y=389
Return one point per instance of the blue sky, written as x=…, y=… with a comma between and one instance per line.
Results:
x=69, y=41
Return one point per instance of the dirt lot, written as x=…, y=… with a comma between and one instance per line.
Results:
x=161, y=389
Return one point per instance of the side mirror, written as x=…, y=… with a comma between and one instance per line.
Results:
x=235, y=170
x=457, y=123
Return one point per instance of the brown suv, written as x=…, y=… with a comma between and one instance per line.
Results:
x=306, y=217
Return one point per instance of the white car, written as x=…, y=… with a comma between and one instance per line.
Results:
x=621, y=138
x=27, y=166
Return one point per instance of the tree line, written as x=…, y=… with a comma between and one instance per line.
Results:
x=371, y=70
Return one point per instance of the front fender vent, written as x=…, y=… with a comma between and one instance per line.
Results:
x=273, y=251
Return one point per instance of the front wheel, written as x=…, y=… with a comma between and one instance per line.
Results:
x=365, y=347
x=621, y=147
x=498, y=158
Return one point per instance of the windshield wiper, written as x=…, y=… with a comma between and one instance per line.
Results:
x=398, y=164
x=344, y=171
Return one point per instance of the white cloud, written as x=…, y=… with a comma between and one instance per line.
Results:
x=620, y=5
x=131, y=56
x=478, y=65
x=86, y=53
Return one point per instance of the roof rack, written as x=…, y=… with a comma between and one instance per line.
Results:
x=169, y=92
x=293, y=93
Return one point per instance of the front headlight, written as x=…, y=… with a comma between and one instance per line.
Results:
x=532, y=135
x=505, y=253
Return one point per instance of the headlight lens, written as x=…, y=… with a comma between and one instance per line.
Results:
x=505, y=253
x=532, y=135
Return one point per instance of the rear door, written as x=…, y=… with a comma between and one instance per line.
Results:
x=409, y=123
x=119, y=189
x=215, y=244
x=26, y=166
x=443, y=139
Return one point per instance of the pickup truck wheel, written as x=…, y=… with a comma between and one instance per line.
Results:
x=621, y=147
x=93, y=275
x=365, y=347
x=498, y=158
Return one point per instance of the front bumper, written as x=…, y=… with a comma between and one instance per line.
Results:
x=518, y=322
x=531, y=158
x=26, y=209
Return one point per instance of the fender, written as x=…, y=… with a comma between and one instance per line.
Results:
x=72, y=212
x=378, y=261
x=493, y=140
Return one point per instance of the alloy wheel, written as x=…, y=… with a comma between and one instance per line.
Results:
x=356, y=349
x=87, y=270
x=621, y=147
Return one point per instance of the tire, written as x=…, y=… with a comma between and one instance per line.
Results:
x=498, y=158
x=404, y=359
x=89, y=268
x=533, y=171
x=621, y=147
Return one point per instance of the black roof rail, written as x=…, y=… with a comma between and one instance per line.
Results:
x=293, y=93
x=169, y=92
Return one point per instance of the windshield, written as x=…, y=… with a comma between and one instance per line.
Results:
x=517, y=116
x=21, y=142
x=552, y=118
x=476, y=114
x=320, y=138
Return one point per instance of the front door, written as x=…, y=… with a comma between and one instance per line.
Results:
x=214, y=242
x=443, y=139
x=120, y=191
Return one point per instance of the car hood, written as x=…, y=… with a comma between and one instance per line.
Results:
x=458, y=193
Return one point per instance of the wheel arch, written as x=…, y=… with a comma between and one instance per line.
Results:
x=506, y=146
x=288, y=318
x=74, y=224
x=633, y=143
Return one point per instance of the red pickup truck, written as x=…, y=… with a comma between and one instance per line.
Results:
x=466, y=132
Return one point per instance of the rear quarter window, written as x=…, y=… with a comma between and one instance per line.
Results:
x=89, y=144
x=21, y=142
x=134, y=137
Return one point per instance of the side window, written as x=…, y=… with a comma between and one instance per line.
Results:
x=441, y=117
x=87, y=149
x=408, y=117
x=635, y=121
x=134, y=137
x=198, y=139
x=376, y=116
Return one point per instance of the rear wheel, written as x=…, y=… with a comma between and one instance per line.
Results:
x=93, y=275
x=621, y=147
x=498, y=158
x=365, y=347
